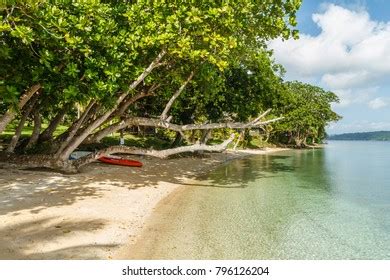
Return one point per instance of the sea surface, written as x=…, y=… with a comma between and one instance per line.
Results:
x=330, y=203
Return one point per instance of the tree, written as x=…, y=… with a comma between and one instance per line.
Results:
x=104, y=56
x=307, y=111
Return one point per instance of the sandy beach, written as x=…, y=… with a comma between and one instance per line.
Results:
x=94, y=214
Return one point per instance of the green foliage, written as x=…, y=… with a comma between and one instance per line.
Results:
x=93, y=50
x=307, y=111
x=363, y=136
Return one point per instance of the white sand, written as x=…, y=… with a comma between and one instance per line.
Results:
x=91, y=215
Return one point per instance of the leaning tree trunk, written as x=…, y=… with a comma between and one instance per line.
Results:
x=11, y=113
x=240, y=137
x=74, y=128
x=37, y=129
x=72, y=166
x=98, y=136
x=15, y=138
x=47, y=134
x=76, y=141
x=304, y=142
x=164, y=114
x=298, y=140
x=153, y=153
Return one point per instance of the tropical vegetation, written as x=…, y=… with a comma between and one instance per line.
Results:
x=77, y=72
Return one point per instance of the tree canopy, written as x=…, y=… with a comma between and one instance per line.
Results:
x=101, y=66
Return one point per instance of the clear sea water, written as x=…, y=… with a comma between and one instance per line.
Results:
x=330, y=203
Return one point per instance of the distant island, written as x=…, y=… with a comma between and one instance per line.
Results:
x=362, y=136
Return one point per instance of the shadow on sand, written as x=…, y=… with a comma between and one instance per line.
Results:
x=32, y=192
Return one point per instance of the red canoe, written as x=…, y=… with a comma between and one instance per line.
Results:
x=121, y=161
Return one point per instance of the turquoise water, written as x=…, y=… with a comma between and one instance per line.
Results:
x=331, y=203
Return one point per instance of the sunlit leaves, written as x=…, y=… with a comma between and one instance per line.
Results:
x=79, y=50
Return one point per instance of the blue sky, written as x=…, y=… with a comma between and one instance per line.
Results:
x=344, y=46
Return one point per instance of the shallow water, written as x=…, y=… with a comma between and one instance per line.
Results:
x=331, y=203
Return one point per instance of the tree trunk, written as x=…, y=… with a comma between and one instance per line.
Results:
x=37, y=129
x=304, y=142
x=164, y=114
x=178, y=140
x=239, y=139
x=47, y=134
x=290, y=137
x=298, y=140
x=153, y=153
x=15, y=138
x=6, y=119
x=98, y=136
x=206, y=134
x=74, y=128
x=10, y=114
x=76, y=141
x=37, y=161
x=73, y=166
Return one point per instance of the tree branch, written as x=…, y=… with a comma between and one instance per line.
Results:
x=164, y=114
x=154, y=122
x=153, y=153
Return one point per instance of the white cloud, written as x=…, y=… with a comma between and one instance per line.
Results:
x=378, y=103
x=360, y=126
x=358, y=96
x=349, y=56
x=345, y=80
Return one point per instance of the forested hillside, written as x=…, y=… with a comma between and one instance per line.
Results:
x=363, y=136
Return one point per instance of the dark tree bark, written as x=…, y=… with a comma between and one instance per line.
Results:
x=47, y=134
x=178, y=140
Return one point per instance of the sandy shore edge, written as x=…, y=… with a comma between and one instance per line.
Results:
x=95, y=214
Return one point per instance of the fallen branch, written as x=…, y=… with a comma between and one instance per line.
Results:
x=153, y=153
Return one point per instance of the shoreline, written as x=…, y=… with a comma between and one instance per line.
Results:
x=94, y=214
